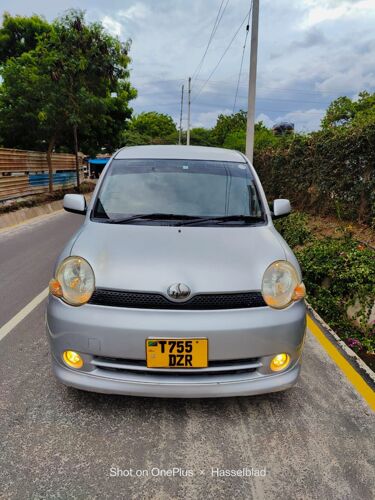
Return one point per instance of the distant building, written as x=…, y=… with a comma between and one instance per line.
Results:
x=282, y=128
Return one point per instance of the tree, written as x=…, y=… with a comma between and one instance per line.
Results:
x=20, y=34
x=89, y=65
x=236, y=140
x=31, y=111
x=345, y=111
x=66, y=88
x=134, y=138
x=201, y=137
x=263, y=138
x=228, y=123
x=158, y=127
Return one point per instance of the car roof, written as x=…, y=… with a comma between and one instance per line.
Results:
x=179, y=153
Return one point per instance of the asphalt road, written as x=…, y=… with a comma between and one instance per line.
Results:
x=314, y=441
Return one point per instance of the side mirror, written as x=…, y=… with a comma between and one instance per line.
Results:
x=281, y=208
x=75, y=203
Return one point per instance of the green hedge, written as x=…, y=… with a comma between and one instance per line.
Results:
x=338, y=273
x=330, y=172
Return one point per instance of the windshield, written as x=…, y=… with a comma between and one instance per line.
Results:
x=181, y=188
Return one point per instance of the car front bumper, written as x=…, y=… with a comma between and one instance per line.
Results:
x=111, y=341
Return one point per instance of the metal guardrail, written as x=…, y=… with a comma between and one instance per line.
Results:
x=23, y=173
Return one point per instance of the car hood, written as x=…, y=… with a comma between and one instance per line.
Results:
x=151, y=258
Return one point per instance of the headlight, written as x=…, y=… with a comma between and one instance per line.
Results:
x=281, y=285
x=74, y=282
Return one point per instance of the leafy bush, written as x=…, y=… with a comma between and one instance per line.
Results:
x=339, y=273
x=294, y=229
x=329, y=172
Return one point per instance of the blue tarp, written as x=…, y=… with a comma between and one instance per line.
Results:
x=98, y=161
x=58, y=178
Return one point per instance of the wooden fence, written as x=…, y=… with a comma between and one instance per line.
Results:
x=23, y=173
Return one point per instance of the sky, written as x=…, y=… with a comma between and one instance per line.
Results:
x=310, y=52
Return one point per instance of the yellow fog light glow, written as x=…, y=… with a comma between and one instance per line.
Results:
x=280, y=362
x=73, y=359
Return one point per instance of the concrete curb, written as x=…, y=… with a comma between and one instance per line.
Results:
x=352, y=358
x=18, y=217
x=24, y=214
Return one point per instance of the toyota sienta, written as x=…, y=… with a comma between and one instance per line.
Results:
x=177, y=284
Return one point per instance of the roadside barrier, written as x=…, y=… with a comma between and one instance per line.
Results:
x=23, y=173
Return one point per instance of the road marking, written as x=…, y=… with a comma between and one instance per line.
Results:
x=12, y=323
x=352, y=375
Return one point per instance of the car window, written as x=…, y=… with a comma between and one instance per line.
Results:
x=182, y=187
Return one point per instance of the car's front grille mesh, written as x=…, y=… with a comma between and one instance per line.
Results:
x=139, y=300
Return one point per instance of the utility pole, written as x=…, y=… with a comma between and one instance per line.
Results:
x=182, y=105
x=188, y=122
x=252, y=82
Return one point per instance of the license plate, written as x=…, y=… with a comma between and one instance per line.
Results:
x=177, y=353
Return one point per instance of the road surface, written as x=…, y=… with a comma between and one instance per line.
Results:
x=315, y=441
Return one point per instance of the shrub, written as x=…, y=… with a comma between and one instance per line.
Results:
x=294, y=229
x=329, y=172
x=339, y=273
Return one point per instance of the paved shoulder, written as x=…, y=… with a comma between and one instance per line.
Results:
x=27, y=256
x=313, y=441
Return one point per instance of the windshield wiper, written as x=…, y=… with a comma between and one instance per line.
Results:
x=222, y=219
x=152, y=216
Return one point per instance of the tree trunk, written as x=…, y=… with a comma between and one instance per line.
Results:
x=51, y=145
x=75, y=133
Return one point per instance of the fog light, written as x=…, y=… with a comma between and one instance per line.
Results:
x=280, y=362
x=73, y=359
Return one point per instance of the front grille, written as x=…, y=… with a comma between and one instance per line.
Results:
x=139, y=300
x=138, y=367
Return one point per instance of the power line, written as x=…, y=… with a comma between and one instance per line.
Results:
x=333, y=92
x=218, y=19
x=302, y=101
x=213, y=31
x=260, y=109
x=242, y=58
x=222, y=57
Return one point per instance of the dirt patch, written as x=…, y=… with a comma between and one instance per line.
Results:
x=323, y=227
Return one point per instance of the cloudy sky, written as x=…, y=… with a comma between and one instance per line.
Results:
x=310, y=52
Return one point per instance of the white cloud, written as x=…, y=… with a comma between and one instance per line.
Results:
x=353, y=80
x=208, y=118
x=135, y=12
x=113, y=26
x=265, y=119
x=310, y=52
x=327, y=11
x=305, y=121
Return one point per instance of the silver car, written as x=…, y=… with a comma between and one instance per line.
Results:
x=177, y=284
